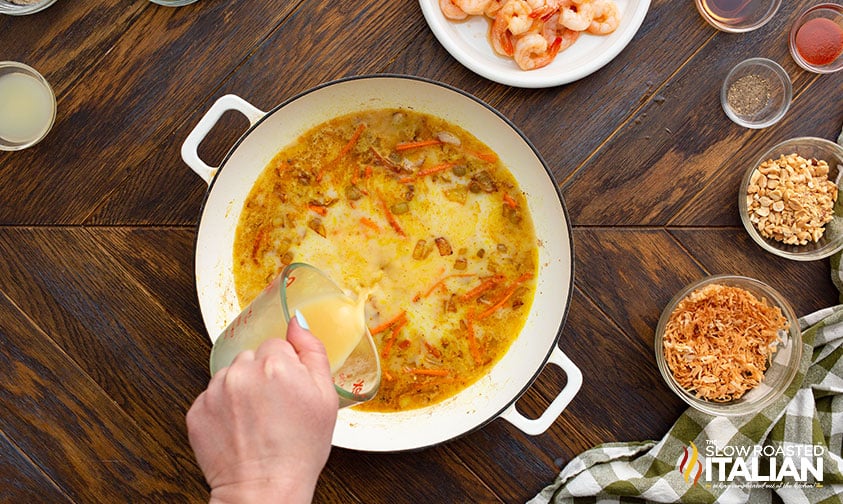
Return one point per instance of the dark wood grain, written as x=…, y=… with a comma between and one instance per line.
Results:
x=21, y=480
x=67, y=424
x=102, y=345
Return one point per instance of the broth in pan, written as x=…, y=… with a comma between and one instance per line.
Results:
x=420, y=216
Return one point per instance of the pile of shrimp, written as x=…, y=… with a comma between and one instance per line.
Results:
x=532, y=32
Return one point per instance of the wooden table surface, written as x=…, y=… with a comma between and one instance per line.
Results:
x=102, y=347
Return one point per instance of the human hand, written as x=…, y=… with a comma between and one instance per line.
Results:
x=262, y=429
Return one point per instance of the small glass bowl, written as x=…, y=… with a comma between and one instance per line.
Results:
x=22, y=7
x=45, y=92
x=756, y=93
x=779, y=373
x=173, y=3
x=753, y=16
x=832, y=239
x=829, y=11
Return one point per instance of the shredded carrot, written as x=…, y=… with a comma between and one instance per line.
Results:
x=428, y=372
x=439, y=283
x=508, y=200
x=415, y=145
x=387, y=347
x=369, y=223
x=425, y=172
x=345, y=150
x=419, y=295
x=318, y=209
x=367, y=172
x=506, y=295
x=392, y=220
x=487, y=284
x=402, y=315
x=396, y=328
x=473, y=345
x=387, y=375
x=489, y=157
x=432, y=350
x=352, y=141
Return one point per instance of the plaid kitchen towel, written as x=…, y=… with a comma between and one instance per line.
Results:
x=791, y=448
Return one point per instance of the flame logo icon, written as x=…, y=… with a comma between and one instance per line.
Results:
x=690, y=464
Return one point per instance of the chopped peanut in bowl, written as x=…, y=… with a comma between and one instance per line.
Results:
x=791, y=199
x=719, y=340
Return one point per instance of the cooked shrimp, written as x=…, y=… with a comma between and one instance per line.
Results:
x=557, y=35
x=576, y=17
x=451, y=10
x=516, y=15
x=532, y=51
x=472, y=7
x=542, y=9
x=605, y=17
x=567, y=37
x=493, y=7
x=501, y=37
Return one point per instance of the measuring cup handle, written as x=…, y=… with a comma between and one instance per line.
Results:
x=190, y=147
x=534, y=427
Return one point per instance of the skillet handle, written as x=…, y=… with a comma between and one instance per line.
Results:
x=534, y=427
x=190, y=147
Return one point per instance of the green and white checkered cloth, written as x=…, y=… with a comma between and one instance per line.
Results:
x=803, y=431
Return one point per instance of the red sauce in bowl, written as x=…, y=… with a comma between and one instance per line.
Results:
x=819, y=41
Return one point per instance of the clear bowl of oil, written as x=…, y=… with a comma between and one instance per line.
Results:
x=737, y=16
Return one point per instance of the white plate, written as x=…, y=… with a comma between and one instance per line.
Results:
x=468, y=42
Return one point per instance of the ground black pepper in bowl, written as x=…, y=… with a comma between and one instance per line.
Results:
x=756, y=93
x=749, y=94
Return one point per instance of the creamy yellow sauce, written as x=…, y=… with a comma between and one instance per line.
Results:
x=421, y=215
x=339, y=322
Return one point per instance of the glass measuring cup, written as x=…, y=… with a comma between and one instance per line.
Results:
x=334, y=317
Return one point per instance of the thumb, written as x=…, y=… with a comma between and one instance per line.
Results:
x=310, y=350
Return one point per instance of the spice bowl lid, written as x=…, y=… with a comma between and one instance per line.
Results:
x=756, y=93
x=816, y=38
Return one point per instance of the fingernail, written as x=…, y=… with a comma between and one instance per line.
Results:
x=300, y=319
